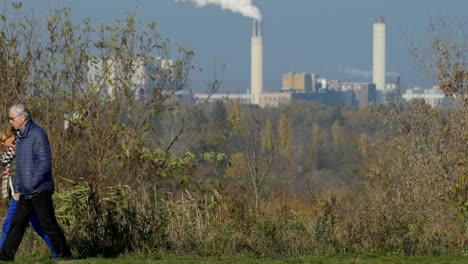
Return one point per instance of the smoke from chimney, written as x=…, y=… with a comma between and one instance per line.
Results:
x=243, y=7
x=246, y=8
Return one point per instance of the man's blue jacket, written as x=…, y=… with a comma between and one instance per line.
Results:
x=33, y=161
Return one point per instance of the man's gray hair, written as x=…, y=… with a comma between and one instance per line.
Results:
x=21, y=109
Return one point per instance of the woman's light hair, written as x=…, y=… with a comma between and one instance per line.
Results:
x=21, y=109
x=7, y=130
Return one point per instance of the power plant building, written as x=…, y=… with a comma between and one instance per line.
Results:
x=364, y=92
x=275, y=99
x=434, y=97
x=297, y=81
x=334, y=85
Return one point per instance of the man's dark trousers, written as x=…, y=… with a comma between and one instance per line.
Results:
x=42, y=204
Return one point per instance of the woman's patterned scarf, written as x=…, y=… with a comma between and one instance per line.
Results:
x=6, y=159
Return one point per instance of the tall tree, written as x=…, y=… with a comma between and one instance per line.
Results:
x=268, y=137
x=285, y=136
x=337, y=137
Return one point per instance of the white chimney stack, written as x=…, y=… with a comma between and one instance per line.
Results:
x=378, y=65
x=256, y=85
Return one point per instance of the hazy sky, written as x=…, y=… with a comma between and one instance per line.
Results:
x=330, y=37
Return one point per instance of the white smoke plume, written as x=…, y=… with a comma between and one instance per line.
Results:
x=243, y=7
x=367, y=74
x=354, y=71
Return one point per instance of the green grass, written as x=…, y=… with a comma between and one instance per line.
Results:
x=336, y=259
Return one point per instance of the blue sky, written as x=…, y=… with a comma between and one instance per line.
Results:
x=330, y=37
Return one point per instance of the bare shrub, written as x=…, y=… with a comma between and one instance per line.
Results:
x=86, y=87
x=416, y=164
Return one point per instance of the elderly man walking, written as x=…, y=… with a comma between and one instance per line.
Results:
x=34, y=185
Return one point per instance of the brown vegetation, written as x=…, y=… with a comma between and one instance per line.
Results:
x=154, y=175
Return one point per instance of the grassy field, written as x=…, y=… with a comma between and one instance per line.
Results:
x=337, y=259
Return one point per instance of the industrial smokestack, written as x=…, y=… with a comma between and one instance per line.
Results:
x=245, y=8
x=378, y=56
x=256, y=85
